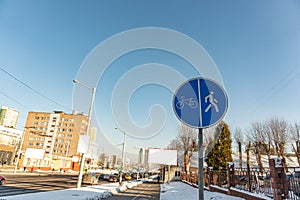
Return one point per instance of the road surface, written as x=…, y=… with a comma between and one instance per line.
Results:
x=32, y=182
x=145, y=191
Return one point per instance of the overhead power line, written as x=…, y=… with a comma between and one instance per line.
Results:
x=14, y=100
x=34, y=90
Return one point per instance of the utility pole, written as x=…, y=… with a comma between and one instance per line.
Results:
x=82, y=161
x=20, y=149
x=123, y=156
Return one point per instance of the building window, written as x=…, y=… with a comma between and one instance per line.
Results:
x=70, y=130
x=35, y=123
x=69, y=135
x=177, y=173
x=60, y=135
x=37, y=118
x=39, y=144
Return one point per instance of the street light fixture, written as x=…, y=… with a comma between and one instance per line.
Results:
x=87, y=129
x=123, y=155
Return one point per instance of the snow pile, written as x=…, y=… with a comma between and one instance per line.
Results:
x=179, y=191
x=258, y=195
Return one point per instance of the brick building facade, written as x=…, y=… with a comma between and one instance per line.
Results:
x=57, y=134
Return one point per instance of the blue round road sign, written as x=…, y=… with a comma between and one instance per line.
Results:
x=200, y=103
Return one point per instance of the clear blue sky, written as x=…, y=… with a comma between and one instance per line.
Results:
x=255, y=45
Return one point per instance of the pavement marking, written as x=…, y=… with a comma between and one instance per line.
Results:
x=140, y=193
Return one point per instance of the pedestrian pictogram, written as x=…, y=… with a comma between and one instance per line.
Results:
x=212, y=102
x=200, y=103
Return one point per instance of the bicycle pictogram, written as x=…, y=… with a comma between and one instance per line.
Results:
x=191, y=102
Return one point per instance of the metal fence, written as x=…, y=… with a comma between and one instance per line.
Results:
x=261, y=181
x=252, y=180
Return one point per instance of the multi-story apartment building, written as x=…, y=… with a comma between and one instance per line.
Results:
x=8, y=117
x=58, y=135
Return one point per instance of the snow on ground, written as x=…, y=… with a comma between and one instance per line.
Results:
x=171, y=191
x=179, y=191
x=83, y=193
x=260, y=195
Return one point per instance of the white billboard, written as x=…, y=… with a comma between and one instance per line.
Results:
x=162, y=156
x=34, y=153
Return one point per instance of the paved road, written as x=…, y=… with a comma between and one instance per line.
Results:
x=30, y=183
x=145, y=191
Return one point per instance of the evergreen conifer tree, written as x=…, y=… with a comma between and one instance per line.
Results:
x=221, y=152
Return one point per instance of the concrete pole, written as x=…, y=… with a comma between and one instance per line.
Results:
x=21, y=146
x=18, y=158
x=123, y=158
x=80, y=174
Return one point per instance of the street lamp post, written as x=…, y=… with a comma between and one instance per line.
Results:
x=123, y=156
x=87, y=130
x=19, y=151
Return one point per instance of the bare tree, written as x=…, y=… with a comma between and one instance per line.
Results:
x=279, y=131
x=174, y=144
x=295, y=137
x=257, y=138
x=186, y=141
x=239, y=139
x=267, y=136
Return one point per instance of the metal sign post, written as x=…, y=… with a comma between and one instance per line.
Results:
x=200, y=103
x=200, y=164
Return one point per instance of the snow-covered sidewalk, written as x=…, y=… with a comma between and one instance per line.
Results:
x=90, y=192
x=179, y=190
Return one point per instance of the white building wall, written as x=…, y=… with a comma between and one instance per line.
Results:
x=9, y=136
x=11, y=117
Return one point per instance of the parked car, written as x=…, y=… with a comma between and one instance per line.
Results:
x=127, y=177
x=104, y=177
x=296, y=176
x=113, y=178
x=288, y=176
x=2, y=180
x=90, y=178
